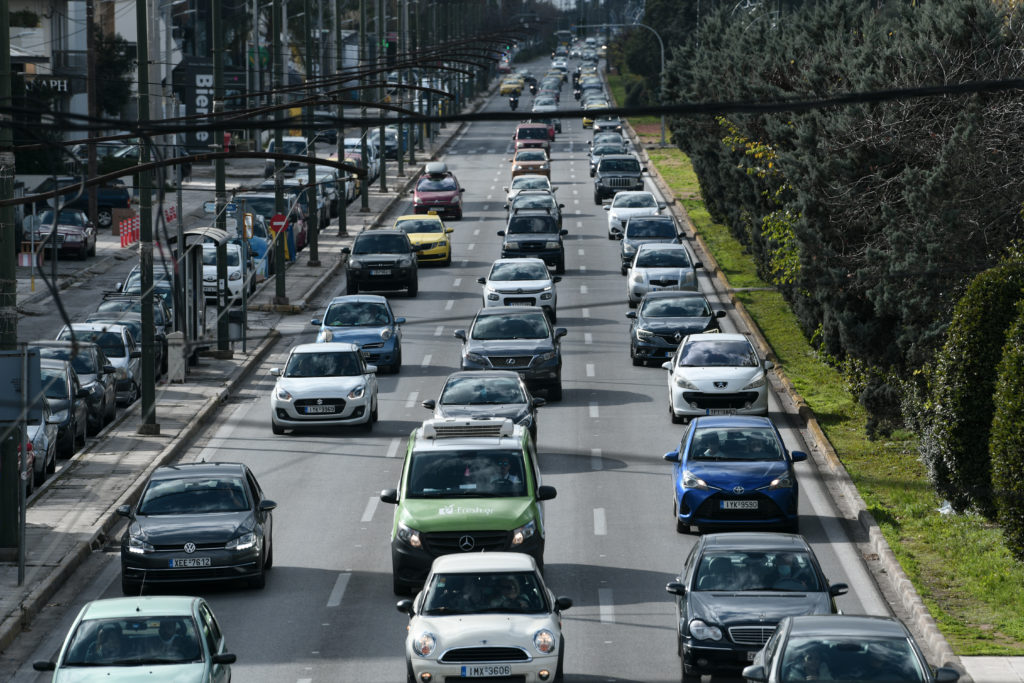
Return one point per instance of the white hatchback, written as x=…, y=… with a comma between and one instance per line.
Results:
x=234, y=269
x=521, y=282
x=485, y=615
x=625, y=205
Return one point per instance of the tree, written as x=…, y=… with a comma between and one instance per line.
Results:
x=115, y=65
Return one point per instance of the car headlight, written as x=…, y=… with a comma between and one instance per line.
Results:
x=783, y=481
x=756, y=383
x=409, y=536
x=283, y=395
x=511, y=246
x=243, y=542
x=476, y=358
x=551, y=245
x=644, y=334
x=325, y=335
x=520, y=535
x=138, y=546
x=357, y=393
x=61, y=415
x=684, y=383
x=73, y=237
x=703, y=631
x=386, y=333
x=636, y=278
x=692, y=481
x=354, y=263
x=424, y=644
x=491, y=296
x=235, y=275
x=544, y=641
x=628, y=249
x=549, y=355
x=404, y=263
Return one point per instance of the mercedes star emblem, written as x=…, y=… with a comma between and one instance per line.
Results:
x=466, y=543
x=190, y=547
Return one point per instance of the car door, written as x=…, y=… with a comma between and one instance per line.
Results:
x=214, y=639
x=266, y=520
x=134, y=355
x=79, y=402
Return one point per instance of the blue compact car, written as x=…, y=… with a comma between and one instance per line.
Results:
x=734, y=472
x=367, y=321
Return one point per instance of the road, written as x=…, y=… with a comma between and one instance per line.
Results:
x=327, y=612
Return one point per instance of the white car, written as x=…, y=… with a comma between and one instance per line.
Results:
x=235, y=279
x=716, y=374
x=661, y=266
x=625, y=205
x=324, y=384
x=527, y=181
x=521, y=282
x=485, y=615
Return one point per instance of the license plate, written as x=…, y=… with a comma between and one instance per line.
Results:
x=380, y=271
x=319, y=409
x=486, y=670
x=719, y=411
x=517, y=303
x=739, y=504
x=190, y=562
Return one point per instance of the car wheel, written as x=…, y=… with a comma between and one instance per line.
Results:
x=560, y=266
x=105, y=217
x=51, y=464
x=258, y=582
x=399, y=588
x=80, y=435
x=395, y=367
x=555, y=392
x=269, y=562
x=597, y=199
x=414, y=287
x=623, y=270
x=374, y=412
x=676, y=419
x=688, y=677
x=368, y=425
x=66, y=447
x=637, y=362
x=130, y=588
x=83, y=253
x=135, y=393
x=448, y=259
x=111, y=411
x=560, y=668
x=38, y=476
x=92, y=249
x=552, y=316
x=276, y=428
x=351, y=287
x=632, y=304
x=410, y=676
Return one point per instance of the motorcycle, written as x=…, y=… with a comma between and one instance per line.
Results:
x=513, y=102
x=533, y=88
x=577, y=93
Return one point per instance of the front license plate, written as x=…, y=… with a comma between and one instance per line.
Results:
x=739, y=504
x=190, y=562
x=486, y=670
x=381, y=271
x=719, y=411
x=517, y=303
x=319, y=409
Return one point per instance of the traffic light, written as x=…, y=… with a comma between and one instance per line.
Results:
x=390, y=45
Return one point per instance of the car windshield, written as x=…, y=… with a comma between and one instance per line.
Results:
x=532, y=134
x=194, y=496
x=609, y=139
x=210, y=257
x=862, y=659
x=134, y=326
x=757, y=570
x=719, y=353
x=516, y=592
x=368, y=243
x=84, y=363
x=524, y=183
x=466, y=473
x=608, y=149
x=634, y=201
x=420, y=225
x=333, y=364
x=67, y=217
x=264, y=206
x=132, y=305
x=54, y=383
x=533, y=201
x=733, y=443
x=357, y=313
x=446, y=184
x=662, y=258
x=110, y=342
x=520, y=225
x=646, y=229
x=532, y=326
x=544, y=101
x=531, y=155
x=683, y=307
x=482, y=391
x=134, y=641
x=291, y=147
x=519, y=271
x=620, y=165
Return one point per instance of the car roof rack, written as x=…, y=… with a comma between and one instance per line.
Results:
x=453, y=428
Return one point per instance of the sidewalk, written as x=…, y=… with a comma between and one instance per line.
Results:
x=74, y=512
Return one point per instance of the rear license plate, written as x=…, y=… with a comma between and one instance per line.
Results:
x=381, y=271
x=739, y=504
x=319, y=409
x=190, y=562
x=486, y=670
x=719, y=411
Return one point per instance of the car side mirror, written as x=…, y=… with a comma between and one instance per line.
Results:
x=316, y=322
x=266, y=505
x=501, y=233
x=563, y=603
x=449, y=231
x=429, y=405
x=719, y=314
x=631, y=315
x=943, y=674
x=460, y=334
x=44, y=666
x=556, y=279
x=667, y=365
x=135, y=354
x=462, y=189
x=675, y=588
x=798, y=456
x=546, y=492
x=563, y=233
x=671, y=456
x=768, y=365
x=643, y=169
x=505, y=206
x=837, y=589
x=755, y=673
x=389, y=496
x=698, y=264
x=346, y=250
x=607, y=207
x=224, y=658
x=109, y=369
x=539, y=402
x=505, y=189
x=481, y=280
x=560, y=332
x=400, y=321
x=404, y=606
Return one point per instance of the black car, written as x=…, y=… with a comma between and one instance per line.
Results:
x=643, y=230
x=601, y=150
x=663, y=319
x=534, y=233
x=734, y=588
x=95, y=374
x=538, y=200
x=76, y=197
x=605, y=124
x=382, y=259
x=488, y=393
x=516, y=338
x=617, y=172
x=69, y=403
x=206, y=521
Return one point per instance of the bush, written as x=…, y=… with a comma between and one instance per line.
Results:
x=955, y=442
x=1006, y=448
x=636, y=93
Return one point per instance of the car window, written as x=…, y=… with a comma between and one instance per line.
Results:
x=519, y=225
x=532, y=134
x=521, y=183
x=211, y=628
x=54, y=383
x=519, y=271
x=356, y=313
x=489, y=391
x=210, y=257
x=533, y=201
x=380, y=244
x=511, y=327
x=641, y=229
x=414, y=225
x=608, y=149
x=459, y=593
x=437, y=185
x=531, y=155
x=662, y=258
x=113, y=344
x=466, y=473
x=620, y=165
x=83, y=362
x=194, y=495
x=66, y=217
x=683, y=307
x=323, y=364
x=754, y=444
x=720, y=353
x=634, y=201
x=134, y=641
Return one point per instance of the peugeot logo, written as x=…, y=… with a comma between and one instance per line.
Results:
x=190, y=548
x=738, y=490
x=466, y=543
x=721, y=385
x=510, y=361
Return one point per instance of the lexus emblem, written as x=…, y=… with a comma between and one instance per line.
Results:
x=510, y=361
x=190, y=548
x=738, y=490
x=319, y=401
x=466, y=543
x=721, y=385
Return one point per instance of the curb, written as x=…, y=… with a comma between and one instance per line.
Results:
x=850, y=501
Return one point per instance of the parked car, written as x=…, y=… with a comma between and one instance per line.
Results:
x=95, y=374
x=660, y=267
x=234, y=271
x=163, y=320
x=487, y=393
x=290, y=144
x=75, y=234
x=68, y=404
x=76, y=197
x=41, y=435
x=382, y=259
x=119, y=347
x=367, y=321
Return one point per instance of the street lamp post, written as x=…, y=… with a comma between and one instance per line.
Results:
x=661, y=47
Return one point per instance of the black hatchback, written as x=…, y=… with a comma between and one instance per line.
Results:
x=734, y=589
x=661, y=321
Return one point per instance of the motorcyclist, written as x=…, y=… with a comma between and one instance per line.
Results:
x=533, y=88
x=513, y=102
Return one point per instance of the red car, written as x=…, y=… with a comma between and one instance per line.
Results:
x=533, y=135
x=438, y=190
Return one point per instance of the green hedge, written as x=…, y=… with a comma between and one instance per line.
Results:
x=1007, y=441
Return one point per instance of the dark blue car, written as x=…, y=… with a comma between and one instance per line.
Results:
x=734, y=472
x=368, y=321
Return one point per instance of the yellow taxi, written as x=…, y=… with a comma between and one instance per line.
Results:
x=429, y=233
x=592, y=111
x=512, y=85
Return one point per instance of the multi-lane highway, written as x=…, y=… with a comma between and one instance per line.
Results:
x=327, y=612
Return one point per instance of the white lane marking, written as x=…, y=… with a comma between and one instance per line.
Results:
x=426, y=361
x=304, y=680
x=492, y=188
x=606, y=605
x=339, y=589
x=371, y=507
x=411, y=401
x=449, y=304
x=464, y=262
x=439, y=330
x=476, y=232
x=600, y=526
x=575, y=191
x=583, y=269
x=585, y=312
x=588, y=338
x=572, y=175
x=470, y=246
x=594, y=411
x=490, y=195
x=596, y=463
x=583, y=289
x=458, y=282
x=575, y=201
x=590, y=370
x=486, y=206
x=393, y=448
x=579, y=211
x=579, y=224
x=580, y=252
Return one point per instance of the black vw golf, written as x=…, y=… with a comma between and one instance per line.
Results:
x=197, y=522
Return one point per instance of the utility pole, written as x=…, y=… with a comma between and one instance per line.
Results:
x=90, y=99
x=281, y=237
x=364, y=184
x=313, y=228
x=401, y=51
x=149, y=424
x=381, y=61
x=220, y=189
x=339, y=67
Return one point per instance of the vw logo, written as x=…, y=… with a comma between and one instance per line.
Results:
x=466, y=543
x=190, y=547
x=510, y=361
x=738, y=490
x=721, y=385
x=319, y=401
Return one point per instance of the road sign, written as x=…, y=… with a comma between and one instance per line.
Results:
x=278, y=222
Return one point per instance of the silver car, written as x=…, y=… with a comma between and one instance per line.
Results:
x=119, y=347
x=658, y=267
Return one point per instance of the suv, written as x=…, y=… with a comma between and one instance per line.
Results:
x=467, y=485
x=529, y=135
x=534, y=233
x=617, y=172
x=518, y=338
x=382, y=259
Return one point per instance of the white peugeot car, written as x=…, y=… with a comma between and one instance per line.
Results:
x=624, y=205
x=521, y=282
x=485, y=615
x=660, y=266
x=716, y=374
x=321, y=385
